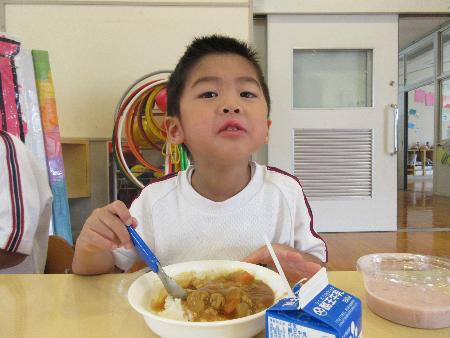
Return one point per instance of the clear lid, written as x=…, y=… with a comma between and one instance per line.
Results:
x=406, y=268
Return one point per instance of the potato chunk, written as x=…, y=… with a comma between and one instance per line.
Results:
x=217, y=300
x=197, y=300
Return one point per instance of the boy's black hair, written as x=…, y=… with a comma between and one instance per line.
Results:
x=199, y=48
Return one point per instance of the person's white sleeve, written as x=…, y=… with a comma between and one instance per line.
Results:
x=20, y=205
x=306, y=239
x=124, y=259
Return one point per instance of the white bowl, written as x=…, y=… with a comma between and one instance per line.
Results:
x=140, y=293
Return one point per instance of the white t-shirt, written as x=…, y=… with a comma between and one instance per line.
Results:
x=181, y=225
x=25, y=207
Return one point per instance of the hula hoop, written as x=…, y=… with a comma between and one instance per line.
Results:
x=158, y=132
x=133, y=109
x=120, y=119
x=129, y=121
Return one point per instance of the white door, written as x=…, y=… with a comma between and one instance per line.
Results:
x=333, y=81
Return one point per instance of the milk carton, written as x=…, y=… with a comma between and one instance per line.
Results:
x=317, y=310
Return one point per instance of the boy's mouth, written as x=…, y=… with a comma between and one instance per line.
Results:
x=231, y=126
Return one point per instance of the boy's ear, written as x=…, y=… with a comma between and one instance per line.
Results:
x=175, y=134
x=269, y=123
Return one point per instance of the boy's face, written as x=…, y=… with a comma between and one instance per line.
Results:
x=223, y=110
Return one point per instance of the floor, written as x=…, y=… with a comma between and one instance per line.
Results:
x=423, y=228
x=418, y=208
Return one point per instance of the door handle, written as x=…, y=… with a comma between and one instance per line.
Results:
x=395, y=108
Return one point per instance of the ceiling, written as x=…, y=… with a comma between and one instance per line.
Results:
x=413, y=28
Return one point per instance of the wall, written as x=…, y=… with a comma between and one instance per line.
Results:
x=421, y=115
x=97, y=50
x=350, y=6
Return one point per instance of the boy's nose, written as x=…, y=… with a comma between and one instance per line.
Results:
x=233, y=109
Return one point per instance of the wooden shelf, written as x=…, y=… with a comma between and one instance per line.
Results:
x=422, y=156
x=77, y=167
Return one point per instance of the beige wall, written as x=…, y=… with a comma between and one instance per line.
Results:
x=97, y=51
x=423, y=119
x=350, y=6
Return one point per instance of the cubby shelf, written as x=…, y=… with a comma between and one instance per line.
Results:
x=417, y=162
x=77, y=167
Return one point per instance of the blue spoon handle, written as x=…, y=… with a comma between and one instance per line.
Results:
x=143, y=250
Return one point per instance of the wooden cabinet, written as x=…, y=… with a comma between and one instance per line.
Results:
x=420, y=162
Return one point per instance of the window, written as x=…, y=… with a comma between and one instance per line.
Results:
x=420, y=64
x=332, y=78
x=445, y=43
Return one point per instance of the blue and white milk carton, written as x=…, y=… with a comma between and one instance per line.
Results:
x=316, y=310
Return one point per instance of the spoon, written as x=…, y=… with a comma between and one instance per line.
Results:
x=150, y=259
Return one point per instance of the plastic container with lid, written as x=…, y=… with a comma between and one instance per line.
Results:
x=408, y=289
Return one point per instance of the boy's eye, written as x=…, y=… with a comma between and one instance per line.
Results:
x=247, y=94
x=208, y=95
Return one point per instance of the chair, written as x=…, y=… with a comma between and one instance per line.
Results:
x=138, y=265
x=59, y=255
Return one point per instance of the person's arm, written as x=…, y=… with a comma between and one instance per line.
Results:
x=312, y=258
x=306, y=239
x=303, y=258
x=103, y=232
x=10, y=259
x=19, y=186
x=296, y=265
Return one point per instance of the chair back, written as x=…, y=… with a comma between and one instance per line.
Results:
x=59, y=255
x=138, y=265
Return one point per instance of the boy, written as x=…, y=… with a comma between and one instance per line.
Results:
x=218, y=108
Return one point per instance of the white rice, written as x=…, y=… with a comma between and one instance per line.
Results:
x=174, y=310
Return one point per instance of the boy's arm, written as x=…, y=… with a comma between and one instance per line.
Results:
x=306, y=239
x=92, y=263
x=10, y=259
x=295, y=264
x=103, y=232
x=312, y=258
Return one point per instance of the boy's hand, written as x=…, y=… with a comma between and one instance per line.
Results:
x=296, y=265
x=105, y=230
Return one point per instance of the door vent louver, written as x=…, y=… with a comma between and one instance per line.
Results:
x=334, y=163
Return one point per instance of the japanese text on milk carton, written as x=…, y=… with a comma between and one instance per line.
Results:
x=317, y=310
